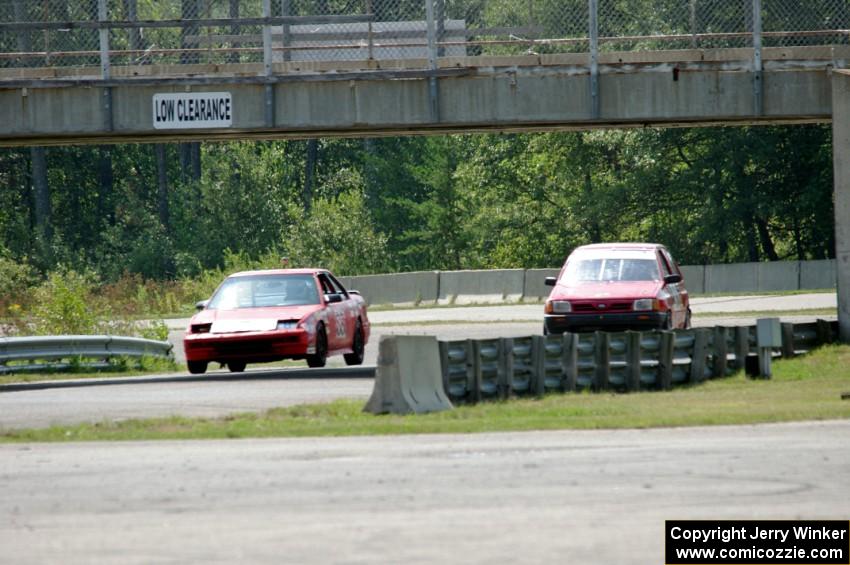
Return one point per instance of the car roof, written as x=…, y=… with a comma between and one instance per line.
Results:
x=279, y=272
x=620, y=246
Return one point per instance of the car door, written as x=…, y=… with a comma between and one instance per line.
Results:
x=351, y=308
x=334, y=313
x=678, y=313
x=682, y=289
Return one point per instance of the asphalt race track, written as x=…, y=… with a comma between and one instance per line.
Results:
x=41, y=408
x=537, y=497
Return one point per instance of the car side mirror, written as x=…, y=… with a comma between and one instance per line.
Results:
x=672, y=279
x=551, y=281
x=200, y=305
x=333, y=298
x=357, y=292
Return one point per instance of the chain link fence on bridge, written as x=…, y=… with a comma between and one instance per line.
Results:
x=397, y=29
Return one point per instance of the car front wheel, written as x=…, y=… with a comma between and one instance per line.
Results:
x=319, y=358
x=197, y=367
x=236, y=366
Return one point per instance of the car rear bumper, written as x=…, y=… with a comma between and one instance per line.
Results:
x=589, y=322
x=257, y=346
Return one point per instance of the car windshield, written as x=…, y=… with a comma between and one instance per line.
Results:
x=260, y=291
x=611, y=269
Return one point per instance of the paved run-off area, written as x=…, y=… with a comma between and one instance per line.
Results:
x=535, y=497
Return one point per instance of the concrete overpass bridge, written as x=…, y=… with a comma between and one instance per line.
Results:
x=99, y=71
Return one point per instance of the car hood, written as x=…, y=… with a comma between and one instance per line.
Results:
x=591, y=291
x=255, y=314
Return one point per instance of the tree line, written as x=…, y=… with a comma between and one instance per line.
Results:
x=713, y=195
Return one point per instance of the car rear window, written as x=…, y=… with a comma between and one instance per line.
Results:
x=610, y=269
x=260, y=291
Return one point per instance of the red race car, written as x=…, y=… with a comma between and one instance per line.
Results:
x=262, y=316
x=617, y=286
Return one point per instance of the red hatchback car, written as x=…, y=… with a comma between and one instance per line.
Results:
x=262, y=316
x=617, y=286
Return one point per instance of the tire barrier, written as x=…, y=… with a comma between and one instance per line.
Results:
x=492, y=369
x=408, y=377
x=59, y=352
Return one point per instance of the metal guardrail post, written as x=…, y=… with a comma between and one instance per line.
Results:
x=758, y=84
x=698, y=356
x=538, y=363
x=742, y=347
x=788, y=349
x=593, y=24
x=502, y=382
x=603, y=360
x=569, y=360
x=444, y=364
x=633, y=361
x=473, y=349
x=665, y=360
x=433, y=92
x=824, y=332
x=267, y=65
x=105, y=65
x=720, y=353
x=508, y=360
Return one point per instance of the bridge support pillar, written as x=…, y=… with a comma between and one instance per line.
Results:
x=841, y=164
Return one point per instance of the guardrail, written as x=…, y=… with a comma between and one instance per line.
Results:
x=478, y=370
x=57, y=352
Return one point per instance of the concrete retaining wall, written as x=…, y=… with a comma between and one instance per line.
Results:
x=515, y=285
x=737, y=277
x=779, y=275
x=535, y=287
x=694, y=278
x=817, y=274
x=466, y=287
x=398, y=288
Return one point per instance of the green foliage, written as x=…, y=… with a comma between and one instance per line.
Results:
x=156, y=330
x=338, y=234
x=64, y=305
x=712, y=195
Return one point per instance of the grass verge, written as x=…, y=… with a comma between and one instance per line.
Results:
x=806, y=388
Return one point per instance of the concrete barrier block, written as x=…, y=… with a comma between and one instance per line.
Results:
x=534, y=288
x=694, y=278
x=737, y=277
x=778, y=275
x=469, y=287
x=816, y=275
x=409, y=377
x=398, y=288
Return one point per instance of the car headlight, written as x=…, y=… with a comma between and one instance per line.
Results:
x=287, y=324
x=200, y=328
x=558, y=307
x=644, y=304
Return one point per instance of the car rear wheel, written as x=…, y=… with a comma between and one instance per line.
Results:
x=236, y=366
x=357, y=347
x=319, y=358
x=197, y=367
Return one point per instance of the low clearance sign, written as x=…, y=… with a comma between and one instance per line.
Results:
x=192, y=110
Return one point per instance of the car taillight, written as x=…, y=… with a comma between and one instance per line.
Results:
x=200, y=328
